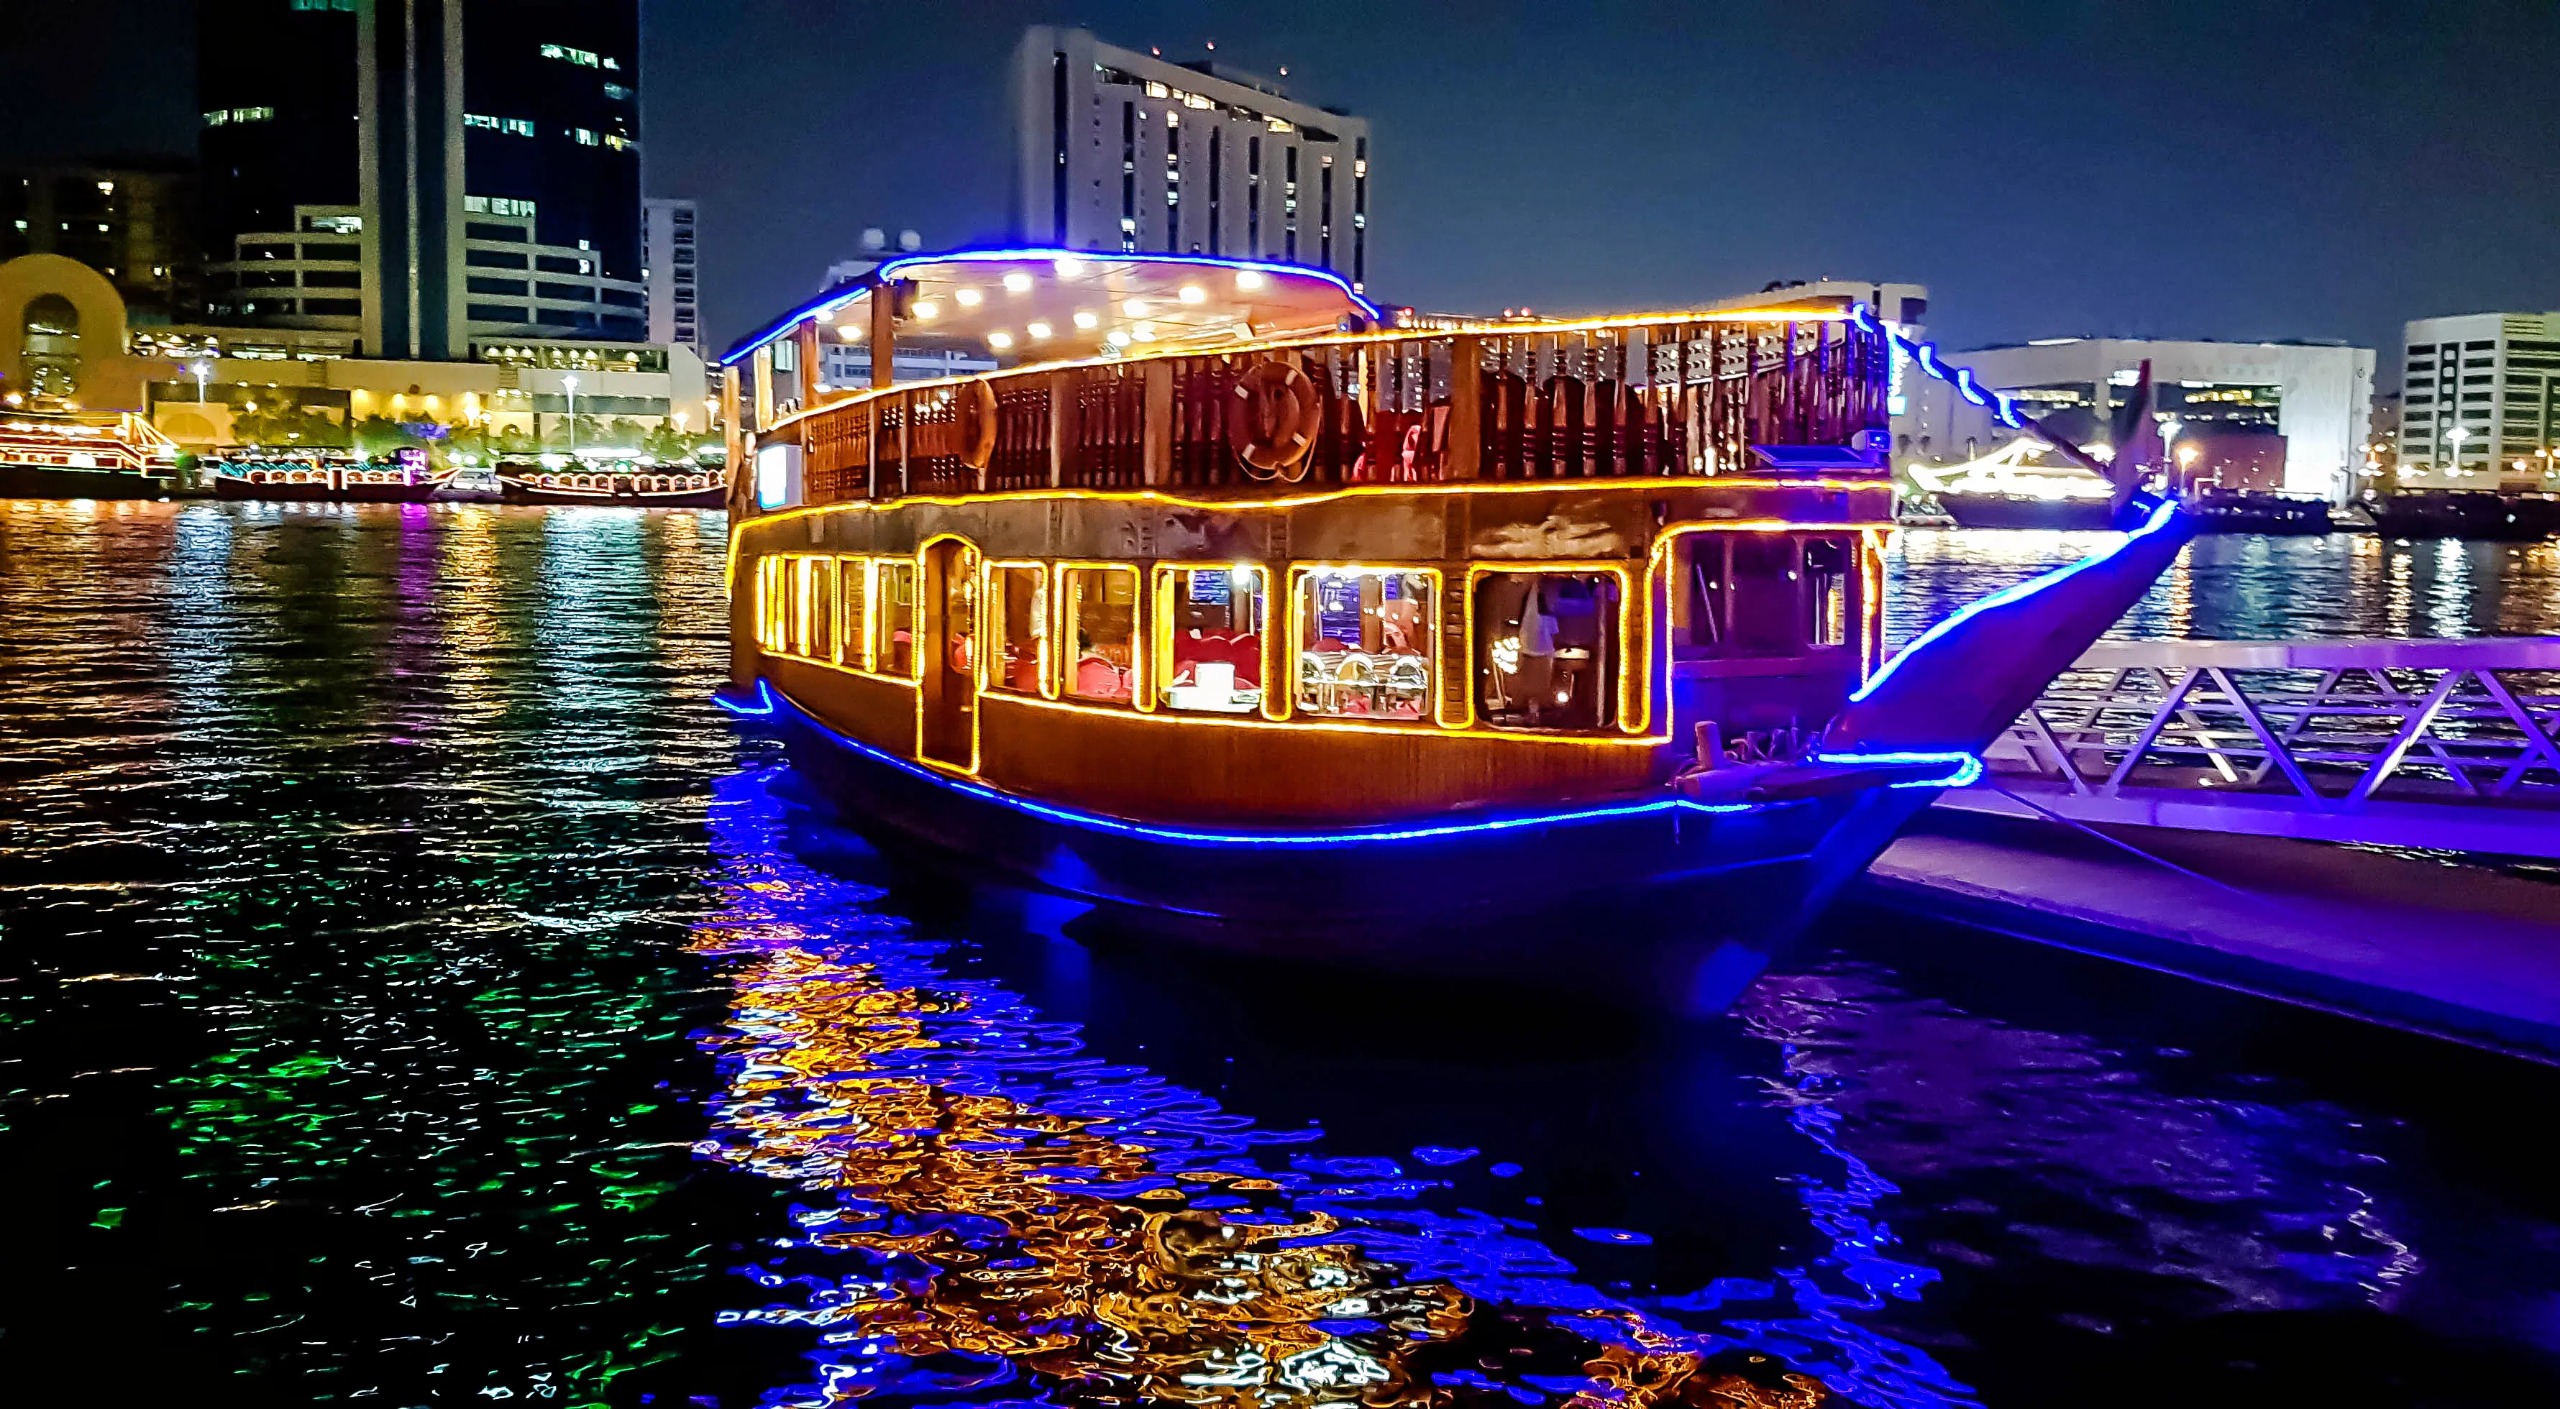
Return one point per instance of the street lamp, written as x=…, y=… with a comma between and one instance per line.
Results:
x=571, y=382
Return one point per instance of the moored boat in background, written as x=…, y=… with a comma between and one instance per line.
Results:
x=619, y=483
x=323, y=476
x=2465, y=513
x=76, y=455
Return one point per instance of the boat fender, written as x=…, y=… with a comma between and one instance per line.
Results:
x=1273, y=423
x=978, y=424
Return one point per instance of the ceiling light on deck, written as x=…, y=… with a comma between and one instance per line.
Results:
x=850, y=332
x=825, y=315
x=1119, y=338
x=1249, y=279
x=1087, y=320
x=1067, y=268
x=928, y=310
x=1193, y=293
x=999, y=340
x=1143, y=332
x=1017, y=282
x=1135, y=308
x=1039, y=332
x=967, y=298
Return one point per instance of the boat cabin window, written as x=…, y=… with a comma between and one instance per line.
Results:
x=1099, y=606
x=893, y=620
x=1017, y=627
x=853, y=612
x=1364, y=643
x=813, y=607
x=1547, y=650
x=772, y=603
x=1755, y=595
x=1213, y=624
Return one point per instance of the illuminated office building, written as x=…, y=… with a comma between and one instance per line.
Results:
x=1119, y=150
x=2480, y=402
x=424, y=174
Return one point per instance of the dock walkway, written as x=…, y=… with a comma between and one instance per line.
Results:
x=2460, y=951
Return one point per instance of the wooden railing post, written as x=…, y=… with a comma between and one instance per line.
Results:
x=1466, y=408
x=1156, y=429
x=906, y=435
x=884, y=336
x=1061, y=387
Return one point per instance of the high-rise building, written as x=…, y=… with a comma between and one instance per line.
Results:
x=424, y=173
x=2480, y=404
x=131, y=220
x=667, y=252
x=1119, y=150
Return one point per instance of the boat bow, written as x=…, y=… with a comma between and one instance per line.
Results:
x=1965, y=679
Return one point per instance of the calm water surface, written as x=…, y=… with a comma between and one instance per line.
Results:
x=411, y=993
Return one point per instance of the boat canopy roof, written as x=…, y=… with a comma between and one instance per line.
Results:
x=1054, y=304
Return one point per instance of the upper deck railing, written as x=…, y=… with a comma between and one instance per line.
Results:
x=1689, y=395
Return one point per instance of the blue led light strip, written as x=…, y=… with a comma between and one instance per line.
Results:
x=2160, y=519
x=888, y=273
x=1924, y=355
x=1966, y=769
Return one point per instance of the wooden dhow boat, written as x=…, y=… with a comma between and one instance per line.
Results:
x=618, y=484
x=326, y=477
x=64, y=454
x=1243, y=612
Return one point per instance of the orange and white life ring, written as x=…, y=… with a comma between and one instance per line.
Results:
x=1272, y=423
x=978, y=424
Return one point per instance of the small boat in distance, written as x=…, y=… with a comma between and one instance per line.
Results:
x=2017, y=486
x=625, y=484
x=2465, y=513
x=83, y=455
x=1248, y=616
x=326, y=476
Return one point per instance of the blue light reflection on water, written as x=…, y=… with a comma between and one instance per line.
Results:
x=1045, y=1159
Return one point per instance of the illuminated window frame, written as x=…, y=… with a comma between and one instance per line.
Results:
x=1043, y=610
x=1635, y=630
x=880, y=604
x=813, y=580
x=1433, y=687
x=1160, y=626
x=853, y=622
x=1062, y=630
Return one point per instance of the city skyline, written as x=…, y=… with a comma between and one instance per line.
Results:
x=2182, y=172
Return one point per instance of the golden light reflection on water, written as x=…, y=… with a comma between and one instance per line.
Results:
x=1023, y=1240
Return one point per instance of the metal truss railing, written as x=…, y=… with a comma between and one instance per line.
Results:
x=2334, y=724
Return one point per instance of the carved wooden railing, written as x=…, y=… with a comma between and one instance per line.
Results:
x=1683, y=397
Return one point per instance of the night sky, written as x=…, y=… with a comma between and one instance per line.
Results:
x=2233, y=169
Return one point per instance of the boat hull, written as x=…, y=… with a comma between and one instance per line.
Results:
x=233, y=488
x=2021, y=511
x=1666, y=903
x=2278, y=514
x=514, y=492
x=43, y=482
x=2467, y=514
